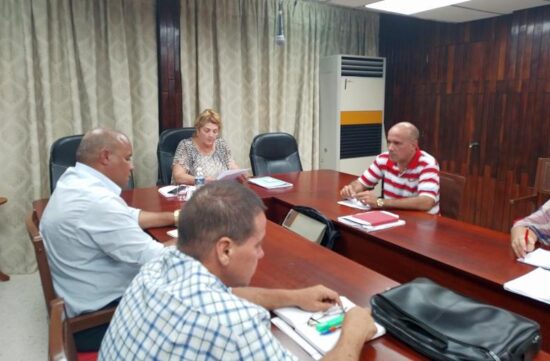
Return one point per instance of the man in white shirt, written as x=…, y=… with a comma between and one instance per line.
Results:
x=95, y=241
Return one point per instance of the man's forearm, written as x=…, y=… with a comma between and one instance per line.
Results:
x=155, y=219
x=420, y=203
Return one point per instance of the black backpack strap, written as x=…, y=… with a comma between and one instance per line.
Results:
x=331, y=233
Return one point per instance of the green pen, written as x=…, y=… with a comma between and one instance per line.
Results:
x=330, y=325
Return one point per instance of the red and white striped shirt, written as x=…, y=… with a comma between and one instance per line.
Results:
x=420, y=178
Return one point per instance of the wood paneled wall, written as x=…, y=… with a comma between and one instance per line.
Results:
x=169, y=72
x=480, y=94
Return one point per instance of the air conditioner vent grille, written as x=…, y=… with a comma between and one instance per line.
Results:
x=362, y=67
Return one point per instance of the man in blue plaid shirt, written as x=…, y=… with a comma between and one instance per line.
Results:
x=181, y=305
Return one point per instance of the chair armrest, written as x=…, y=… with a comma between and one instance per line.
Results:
x=92, y=319
x=524, y=198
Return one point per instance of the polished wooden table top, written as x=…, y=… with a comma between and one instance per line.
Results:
x=479, y=251
x=469, y=251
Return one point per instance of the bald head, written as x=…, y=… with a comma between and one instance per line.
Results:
x=402, y=143
x=108, y=151
x=408, y=130
x=97, y=140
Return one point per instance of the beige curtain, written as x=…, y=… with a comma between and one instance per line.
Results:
x=230, y=62
x=67, y=66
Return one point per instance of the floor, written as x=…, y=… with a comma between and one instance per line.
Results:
x=23, y=319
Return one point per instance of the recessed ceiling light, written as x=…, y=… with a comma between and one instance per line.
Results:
x=408, y=7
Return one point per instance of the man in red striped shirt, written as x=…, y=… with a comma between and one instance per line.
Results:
x=411, y=176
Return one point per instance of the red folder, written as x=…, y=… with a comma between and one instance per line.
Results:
x=375, y=218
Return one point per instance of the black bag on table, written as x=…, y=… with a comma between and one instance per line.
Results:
x=444, y=325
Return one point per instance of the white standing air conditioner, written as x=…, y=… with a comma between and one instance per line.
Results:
x=352, y=112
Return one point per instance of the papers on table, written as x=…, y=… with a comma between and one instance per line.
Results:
x=270, y=182
x=233, y=174
x=354, y=203
x=534, y=285
x=171, y=191
x=168, y=191
x=538, y=258
x=173, y=233
x=296, y=326
x=372, y=220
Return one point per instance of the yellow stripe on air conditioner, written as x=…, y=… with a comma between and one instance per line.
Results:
x=361, y=117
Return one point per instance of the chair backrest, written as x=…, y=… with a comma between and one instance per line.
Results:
x=61, y=346
x=542, y=179
x=274, y=153
x=63, y=156
x=168, y=143
x=451, y=192
x=41, y=259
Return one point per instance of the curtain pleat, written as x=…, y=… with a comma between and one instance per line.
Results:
x=230, y=63
x=67, y=66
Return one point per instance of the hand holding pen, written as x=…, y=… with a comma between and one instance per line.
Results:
x=523, y=241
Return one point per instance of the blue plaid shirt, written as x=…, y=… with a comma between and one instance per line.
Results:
x=175, y=309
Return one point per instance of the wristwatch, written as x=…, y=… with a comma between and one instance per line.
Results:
x=380, y=202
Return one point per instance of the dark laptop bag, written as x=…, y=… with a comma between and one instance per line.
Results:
x=444, y=325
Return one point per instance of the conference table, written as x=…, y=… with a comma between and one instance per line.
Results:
x=469, y=259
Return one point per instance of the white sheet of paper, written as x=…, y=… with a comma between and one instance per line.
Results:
x=354, y=203
x=533, y=284
x=231, y=174
x=539, y=258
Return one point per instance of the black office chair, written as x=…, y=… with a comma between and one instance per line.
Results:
x=63, y=156
x=274, y=153
x=168, y=142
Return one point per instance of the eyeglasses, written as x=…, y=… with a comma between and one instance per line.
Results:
x=324, y=316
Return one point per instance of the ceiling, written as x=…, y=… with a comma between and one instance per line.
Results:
x=466, y=11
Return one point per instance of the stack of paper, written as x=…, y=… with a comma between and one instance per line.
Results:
x=534, y=284
x=270, y=182
x=294, y=322
x=231, y=174
x=538, y=258
x=373, y=220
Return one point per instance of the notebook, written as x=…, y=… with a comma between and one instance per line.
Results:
x=297, y=320
x=270, y=182
x=374, y=218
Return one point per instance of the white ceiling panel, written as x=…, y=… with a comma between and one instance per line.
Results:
x=467, y=11
x=452, y=14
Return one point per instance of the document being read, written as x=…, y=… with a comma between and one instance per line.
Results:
x=297, y=325
x=232, y=174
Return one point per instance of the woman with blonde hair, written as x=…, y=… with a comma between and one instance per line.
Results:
x=205, y=150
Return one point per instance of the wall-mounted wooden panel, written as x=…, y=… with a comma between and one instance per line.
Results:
x=480, y=94
x=168, y=49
